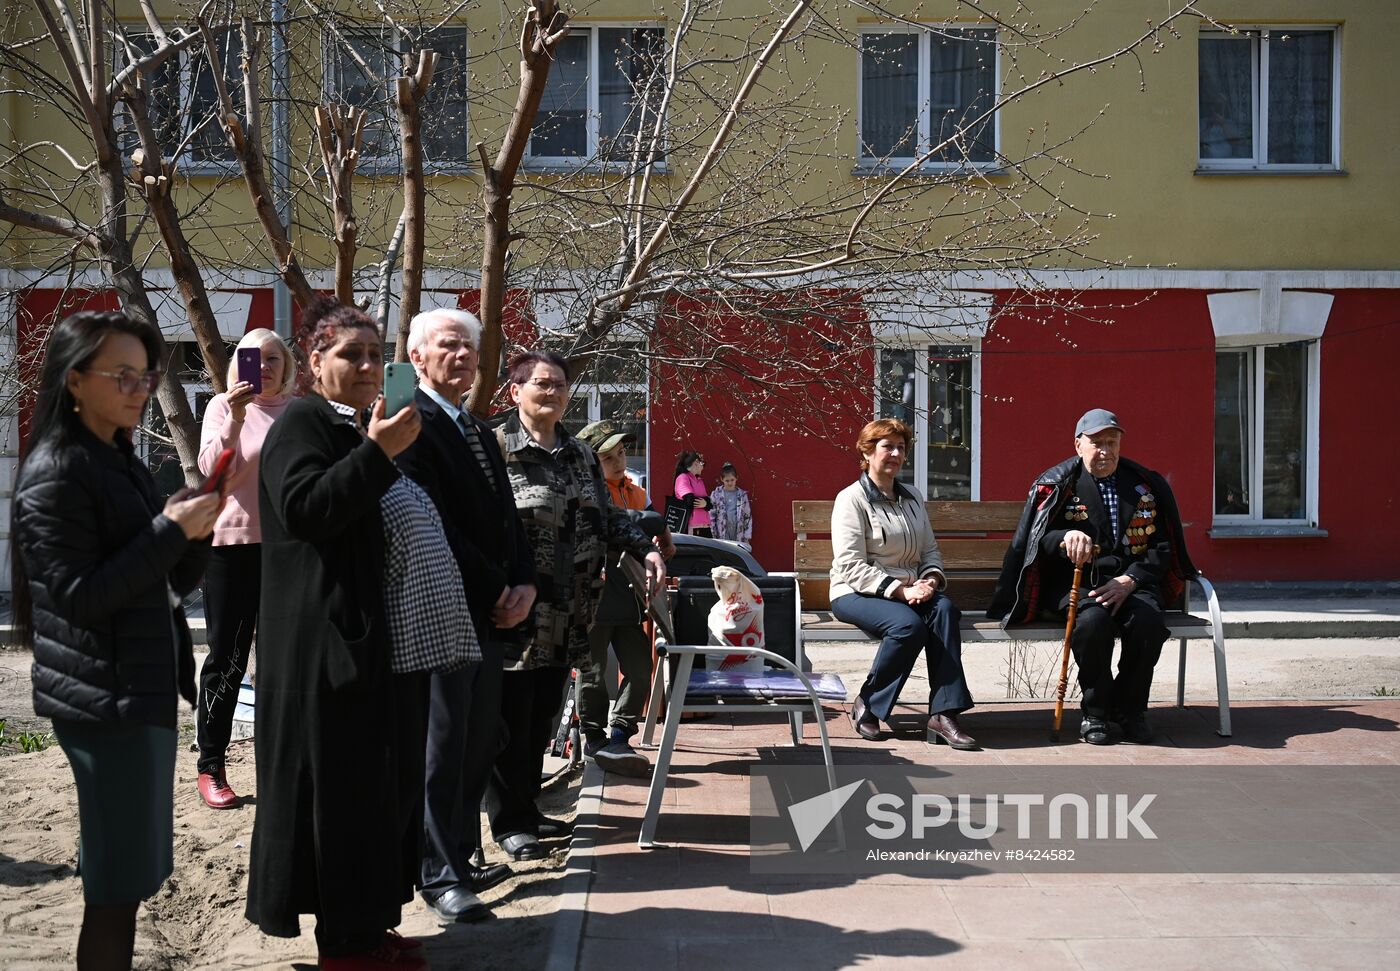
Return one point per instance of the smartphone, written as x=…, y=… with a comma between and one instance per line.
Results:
x=250, y=367
x=399, y=382
x=215, y=482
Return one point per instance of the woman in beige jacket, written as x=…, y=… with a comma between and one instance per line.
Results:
x=887, y=579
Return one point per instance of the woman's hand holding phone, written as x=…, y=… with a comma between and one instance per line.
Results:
x=238, y=397
x=395, y=434
x=194, y=512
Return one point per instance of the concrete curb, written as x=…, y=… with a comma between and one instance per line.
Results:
x=567, y=936
x=1307, y=629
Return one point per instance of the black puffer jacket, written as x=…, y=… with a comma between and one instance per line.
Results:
x=108, y=645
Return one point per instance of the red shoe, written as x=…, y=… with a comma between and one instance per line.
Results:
x=216, y=792
x=390, y=955
x=400, y=943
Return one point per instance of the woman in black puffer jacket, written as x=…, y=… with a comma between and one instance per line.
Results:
x=98, y=567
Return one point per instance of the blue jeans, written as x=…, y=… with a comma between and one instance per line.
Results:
x=905, y=630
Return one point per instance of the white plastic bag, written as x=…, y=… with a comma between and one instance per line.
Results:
x=736, y=620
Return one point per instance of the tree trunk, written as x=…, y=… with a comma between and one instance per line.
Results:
x=411, y=91
x=545, y=26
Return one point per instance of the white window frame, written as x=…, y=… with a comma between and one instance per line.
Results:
x=637, y=465
x=1311, y=449
x=923, y=350
x=593, y=114
x=1257, y=36
x=333, y=57
x=925, y=96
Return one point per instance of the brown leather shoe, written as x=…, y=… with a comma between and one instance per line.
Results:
x=867, y=725
x=945, y=729
x=216, y=792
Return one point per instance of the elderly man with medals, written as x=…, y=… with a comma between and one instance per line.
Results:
x=1119, y=520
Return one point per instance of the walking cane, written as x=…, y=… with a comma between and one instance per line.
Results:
x=1064, y=655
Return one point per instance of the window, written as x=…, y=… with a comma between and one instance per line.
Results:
x=931, y=390
x=362, y=76
x=918, y=88
x=1265, y=448
x=1268, y=99
x=614, y=386
x=600, y=102
x=183, y=101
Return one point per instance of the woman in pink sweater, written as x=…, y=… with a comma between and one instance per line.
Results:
x=238, y=419
x=689, y=485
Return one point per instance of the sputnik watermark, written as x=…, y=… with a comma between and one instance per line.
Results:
x=1209, y=819
x=1110, y=816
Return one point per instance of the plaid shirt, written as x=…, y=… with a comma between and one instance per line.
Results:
x=1108, y=492
x=430, y=628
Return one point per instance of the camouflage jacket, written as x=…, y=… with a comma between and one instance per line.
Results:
x=571, y=522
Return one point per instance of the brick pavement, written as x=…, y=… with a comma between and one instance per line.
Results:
x=693, y=902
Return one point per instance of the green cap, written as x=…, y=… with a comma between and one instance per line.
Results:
x=603, y=436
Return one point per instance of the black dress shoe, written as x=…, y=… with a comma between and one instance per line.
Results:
x=1095, y=731
x=458, y=906
x=548, y=829
x=483, y=878
x=867, y=725
x=523, y=846
x=946, y=730
x=1136, y=729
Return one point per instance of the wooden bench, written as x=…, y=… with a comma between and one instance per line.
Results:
x=973, y=537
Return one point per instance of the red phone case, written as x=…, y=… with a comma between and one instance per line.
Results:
x=220, y=473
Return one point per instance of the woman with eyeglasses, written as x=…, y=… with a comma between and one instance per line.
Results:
x=238, y=419
x=99, y=564
x=563, y=501
x=340, y=737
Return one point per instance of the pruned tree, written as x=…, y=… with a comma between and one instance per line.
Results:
x=768, y=266
x=113, y=85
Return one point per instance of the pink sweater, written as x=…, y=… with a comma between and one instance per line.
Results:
x=238, y=522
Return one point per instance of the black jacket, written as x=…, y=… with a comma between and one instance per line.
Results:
x=481, y=522
x=1036, y=576
x=108, y=645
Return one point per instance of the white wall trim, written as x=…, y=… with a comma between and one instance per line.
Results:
x=948, y=317
x=1242, y=318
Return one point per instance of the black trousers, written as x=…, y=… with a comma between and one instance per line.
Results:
x=464, y=730
x=232, y=585
x=633, y=649
x=1139, y=622
x=530, y=700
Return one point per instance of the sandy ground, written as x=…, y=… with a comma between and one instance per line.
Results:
x=196, y=921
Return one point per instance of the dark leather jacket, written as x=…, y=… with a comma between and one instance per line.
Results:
x=108, y=644
x=1024, y=590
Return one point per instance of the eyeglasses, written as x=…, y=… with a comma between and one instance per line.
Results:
x=549, y=387
x=128, y=381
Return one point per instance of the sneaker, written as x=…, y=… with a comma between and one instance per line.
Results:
x=1095, y=731
x=619, y=757
x=592, y=744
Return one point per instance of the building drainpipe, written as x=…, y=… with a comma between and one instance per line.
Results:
x=280, y=153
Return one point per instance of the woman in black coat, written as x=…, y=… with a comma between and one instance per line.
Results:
x=335, y=734
x=94, y=562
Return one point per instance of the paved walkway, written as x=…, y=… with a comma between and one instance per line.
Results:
x=693, y=902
